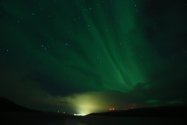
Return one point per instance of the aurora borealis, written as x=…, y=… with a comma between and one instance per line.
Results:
x=62, y=53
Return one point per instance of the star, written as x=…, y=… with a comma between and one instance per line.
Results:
x=90, y=9
x=67, y=44
x=4, y=51
x=33, y=14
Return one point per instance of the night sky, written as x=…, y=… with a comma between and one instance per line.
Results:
x=89, y=55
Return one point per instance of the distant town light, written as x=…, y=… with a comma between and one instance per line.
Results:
x=112, y=109
x=79, y=114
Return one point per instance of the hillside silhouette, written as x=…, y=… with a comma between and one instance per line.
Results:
x=165, y=111
x=11, y=113
x=9, y=106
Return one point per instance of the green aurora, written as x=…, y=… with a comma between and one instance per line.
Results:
x=53, y=49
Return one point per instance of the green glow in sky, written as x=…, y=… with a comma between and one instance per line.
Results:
x=53, y=49
x=107, y=49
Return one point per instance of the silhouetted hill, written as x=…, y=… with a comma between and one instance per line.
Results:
x=9, y=106
x=176, y=111
x=11, y=113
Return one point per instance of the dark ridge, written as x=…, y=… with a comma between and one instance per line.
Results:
x=170, y=111
x=9, y=106
x=11, y=113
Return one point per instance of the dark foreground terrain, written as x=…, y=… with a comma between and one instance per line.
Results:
x=12, y=114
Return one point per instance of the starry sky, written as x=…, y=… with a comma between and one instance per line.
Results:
x=88, y=55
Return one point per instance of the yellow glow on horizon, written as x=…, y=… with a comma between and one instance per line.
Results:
x=86, y=103
x=90, y=102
